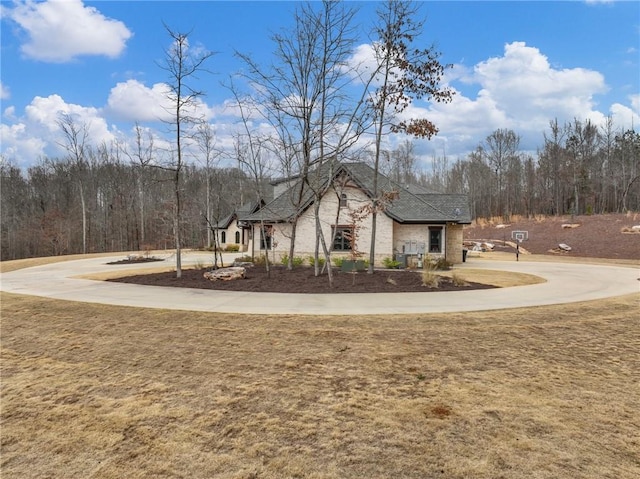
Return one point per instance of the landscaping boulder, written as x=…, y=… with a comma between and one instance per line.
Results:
x=243, y=264
x=226, y=274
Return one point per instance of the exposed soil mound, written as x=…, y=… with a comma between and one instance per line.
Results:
x=595, y=236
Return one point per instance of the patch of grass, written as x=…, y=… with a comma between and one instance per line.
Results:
x=13, y=265
x=441, y=411
x=107, y=391
x=198, y=264
x=501, y=279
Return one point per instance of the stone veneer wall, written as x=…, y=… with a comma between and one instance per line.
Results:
x=454, y=240
x=306, y=229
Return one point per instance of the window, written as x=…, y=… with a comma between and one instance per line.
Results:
x=265, y=237
x=237, y=237
x=343, y=200
x=223, y=237
x=435, y=240
x=342, y=238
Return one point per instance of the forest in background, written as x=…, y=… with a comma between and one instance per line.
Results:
x=104, y=201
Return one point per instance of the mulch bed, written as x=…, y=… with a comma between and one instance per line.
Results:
x=136, y=260
x=302, y=280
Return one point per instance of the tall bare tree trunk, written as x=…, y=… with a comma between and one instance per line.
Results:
x=84, y=220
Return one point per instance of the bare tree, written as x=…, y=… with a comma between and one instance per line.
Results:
x=403, y=163
x=206, y=140
x=551, y=161
x=76, y=143
x=253, y=159
x=143, y=156
x=304, y=99
x=627, y=157
x=500, y=152
x=182, y=65
x=582, y=146
x=403, y=74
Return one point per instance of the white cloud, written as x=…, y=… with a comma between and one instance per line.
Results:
x=5, y=94
x=20, y=145
x=523, y=83
x=362, y=63
x=134, y=101
x=625, y=116
x=60, y=30
x=37, y=133
x=519, y=90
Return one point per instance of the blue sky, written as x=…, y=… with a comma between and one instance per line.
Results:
x=517, y=65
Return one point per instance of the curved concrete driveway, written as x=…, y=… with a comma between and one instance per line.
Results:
x=566, y=283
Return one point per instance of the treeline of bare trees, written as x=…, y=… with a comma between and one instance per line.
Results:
x=102, y=204
x=580, y=169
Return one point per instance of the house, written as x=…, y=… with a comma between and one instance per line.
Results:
x=232, y=230
x=413, y=224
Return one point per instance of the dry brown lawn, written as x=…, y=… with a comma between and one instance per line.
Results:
x=7, y=266
x=95, y=391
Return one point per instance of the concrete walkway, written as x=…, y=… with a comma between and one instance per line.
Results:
x=566, y=283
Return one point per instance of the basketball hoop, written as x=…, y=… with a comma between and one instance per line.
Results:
x=520, y=236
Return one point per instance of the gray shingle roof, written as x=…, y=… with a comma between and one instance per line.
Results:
x=224, y=223
x=407, y=208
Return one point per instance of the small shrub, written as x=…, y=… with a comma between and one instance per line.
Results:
x=429, y=278
x=260, y=260
x=146, y=248
x=244, y=259
x=312, y=261
x=337, y=262
x=437, y=263
x=232, y=248
x=297, y=260
x=458, y=281
x=390, y=263
x=442, y=264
